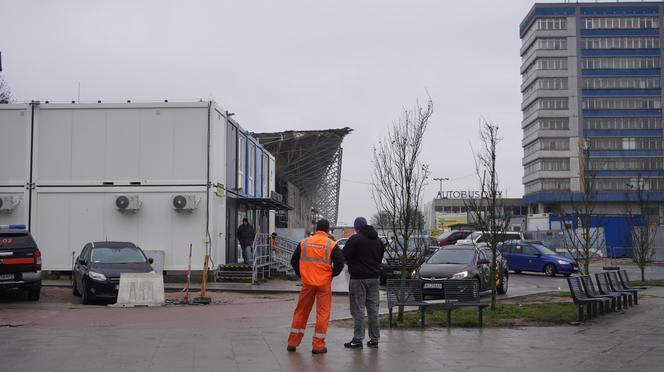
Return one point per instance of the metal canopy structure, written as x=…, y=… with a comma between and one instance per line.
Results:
x=311, y=160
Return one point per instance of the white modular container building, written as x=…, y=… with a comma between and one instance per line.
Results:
x=155, y=174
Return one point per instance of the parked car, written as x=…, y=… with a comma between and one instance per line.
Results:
x=419, y=248
x=528, y=255
x=341, y=243
x=481, y=238
x=451, y=237
x=20, y=261
x=461, y=262
x=97, y=269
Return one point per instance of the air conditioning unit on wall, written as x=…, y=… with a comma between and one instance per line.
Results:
x=127, y=203
x=8, y=203
x=185, y=202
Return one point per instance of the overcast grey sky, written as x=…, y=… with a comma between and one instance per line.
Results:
x=286, y=64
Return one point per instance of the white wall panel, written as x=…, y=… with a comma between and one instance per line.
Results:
x=14, y=143
x=66, y=219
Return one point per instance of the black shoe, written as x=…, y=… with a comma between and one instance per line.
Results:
x=319, y=351
x=290, y=348
x=372, y=343
x=353, y=344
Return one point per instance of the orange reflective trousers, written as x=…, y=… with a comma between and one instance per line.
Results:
x=323, y=297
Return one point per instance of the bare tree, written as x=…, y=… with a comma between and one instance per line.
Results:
x=6, y=95
x=643, y=224
x=383, y=218
x=488, y=210
x=581, y=240
x=397, y=182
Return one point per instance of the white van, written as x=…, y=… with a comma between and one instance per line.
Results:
x=481, y=238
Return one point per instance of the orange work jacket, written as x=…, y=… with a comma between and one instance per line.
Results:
x=316, y=259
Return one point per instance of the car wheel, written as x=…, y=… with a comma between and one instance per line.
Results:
x=549, y=270
x=34, y=293
x=504, y=283
x=75, y=291
x=86, y=297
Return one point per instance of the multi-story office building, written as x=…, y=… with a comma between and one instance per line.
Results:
x=592, y=104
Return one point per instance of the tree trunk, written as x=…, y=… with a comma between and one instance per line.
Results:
x=643, y=274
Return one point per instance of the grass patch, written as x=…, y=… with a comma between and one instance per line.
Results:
x=505, y=315
x=649, y=282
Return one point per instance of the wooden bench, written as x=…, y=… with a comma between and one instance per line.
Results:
x=605, y=287
x=408, y=292
x=582, y=299
x=462, y=293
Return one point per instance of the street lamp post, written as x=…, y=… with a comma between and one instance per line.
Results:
x=440, y=181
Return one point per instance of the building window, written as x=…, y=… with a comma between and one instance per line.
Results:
x=547, y=165
x=547, y=184
x=619, y=22
x=546, y=84
x=621, y=103
x=241, y=162
x=252, y=168
x=266, y=176
x=438, y=208
x=547, y=144
x=621, y=83
x=620, y=62
x=546, y=24
x=626, y=164
x=561, y=103
x=628, y=184
x=545, y=63
x=622, y=123
x=625, y=143
x=620, y=43
x=546, y=124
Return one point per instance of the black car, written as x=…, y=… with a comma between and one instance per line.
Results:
x=461, y=262
x=20, y=261
x=97, y=269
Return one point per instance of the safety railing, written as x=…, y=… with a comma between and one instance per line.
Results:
x=283, y=252
x=262, y=252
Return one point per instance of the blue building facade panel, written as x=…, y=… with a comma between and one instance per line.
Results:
x=621, y=92
x=625, y=153
x=621, y=72
x=622, y=133
x=539, y=11
x=621, y=9
x=620, y=32
x=618, y=52
x=623, y=112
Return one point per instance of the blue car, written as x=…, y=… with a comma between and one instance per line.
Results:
x=533, y=256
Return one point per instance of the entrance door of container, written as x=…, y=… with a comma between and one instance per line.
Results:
x=231, y=230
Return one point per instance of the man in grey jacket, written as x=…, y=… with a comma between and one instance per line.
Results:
x=364, y=253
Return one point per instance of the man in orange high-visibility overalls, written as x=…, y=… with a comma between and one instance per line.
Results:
x=316, y=260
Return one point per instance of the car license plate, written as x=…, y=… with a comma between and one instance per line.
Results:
x=433, y=285
x=6, y=276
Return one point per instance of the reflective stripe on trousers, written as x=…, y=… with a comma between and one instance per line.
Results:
x=322, y=295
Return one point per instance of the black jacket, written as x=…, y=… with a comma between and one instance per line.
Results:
x=337, y=260
x=246, y=234
x=364, y=252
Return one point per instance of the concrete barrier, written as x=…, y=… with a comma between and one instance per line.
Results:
x=140, y=290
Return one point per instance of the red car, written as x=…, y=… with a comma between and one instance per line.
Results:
x=451, y=237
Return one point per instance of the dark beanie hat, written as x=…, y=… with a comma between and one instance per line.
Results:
x=323, y=225
x=359, y=222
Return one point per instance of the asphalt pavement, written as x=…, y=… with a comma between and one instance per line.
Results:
x=249, y=333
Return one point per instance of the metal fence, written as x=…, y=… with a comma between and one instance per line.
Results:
x=262, y=252
x=283, y=253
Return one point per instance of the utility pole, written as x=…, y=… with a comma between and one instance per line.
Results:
x=440, y=182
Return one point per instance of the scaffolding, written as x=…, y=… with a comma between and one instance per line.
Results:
x=311, y=161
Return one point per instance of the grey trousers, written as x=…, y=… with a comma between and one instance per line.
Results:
x=364, y=293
